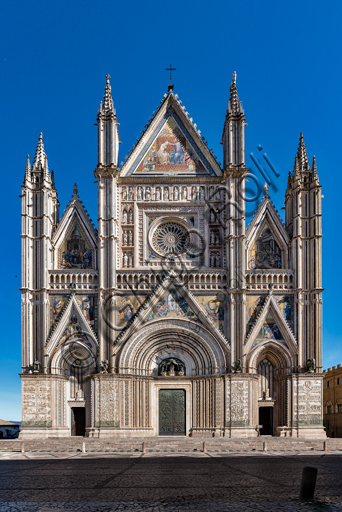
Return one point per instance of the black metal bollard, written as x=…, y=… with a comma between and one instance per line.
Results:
x=307, y=488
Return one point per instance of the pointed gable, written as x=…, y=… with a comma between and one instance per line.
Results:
x=170, y=300
x=75, y=239
x=267, y=239
x=72, y=326
x=271, y=325
x=171, y=146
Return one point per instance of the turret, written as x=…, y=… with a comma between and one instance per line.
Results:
x=39, y=218
x=303, y=223
x=233, y=138
x=106, y=174
x=235, y=172
x=108, y=132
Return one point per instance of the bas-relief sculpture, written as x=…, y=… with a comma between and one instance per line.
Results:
x=134, y=300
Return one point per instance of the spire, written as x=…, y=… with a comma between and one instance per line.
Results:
x=302, y=156
x=40, y=162
x=108, y=106
x=53, y=180
x=234, y=105
x=28, y=169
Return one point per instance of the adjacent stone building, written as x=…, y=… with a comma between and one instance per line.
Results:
x=171, y=317
x=332, y=401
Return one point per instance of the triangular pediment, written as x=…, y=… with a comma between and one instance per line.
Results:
x=271, y=325
x=266, y=239
x=170, y=300
x=171, y=146
x=72, y=326
x=75, y=239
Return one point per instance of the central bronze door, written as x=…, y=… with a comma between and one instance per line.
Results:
x=172, y=412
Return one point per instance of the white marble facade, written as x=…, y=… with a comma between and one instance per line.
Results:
x=171, y=291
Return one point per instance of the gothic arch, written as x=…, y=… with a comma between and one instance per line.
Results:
x=276, y=352
x=186, y=340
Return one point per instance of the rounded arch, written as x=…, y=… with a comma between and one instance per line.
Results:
x=196, y=347
x=73, y=350
x=277, y=353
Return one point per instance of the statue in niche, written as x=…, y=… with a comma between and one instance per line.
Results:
x=212, y=261
x=125, y=238
x=171, y=367
x=148, y=194
x=139, y=193
x=124, y=194
x=166, y=194
x=310, y=366
x=36, y=366
x=184, y=193
x=212, y=238
x=194, y=193
x=201, y=194
x=131, y=260
x=130, y=237
x=218, y=194
x=105, y=366
x=212, y=216
x=124, y=217
x=211, y=193
x=217, y=239
x=266, y=251
x=218, y=260
x=176, y=194
x=237, y=366
x=158, y=194
x=130, y=193
x=130, y=214
x=125, y=260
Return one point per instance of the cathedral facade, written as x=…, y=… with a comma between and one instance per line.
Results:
x=171, y=317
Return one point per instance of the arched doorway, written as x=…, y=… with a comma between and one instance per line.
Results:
x=266, y=396
x=273, y=363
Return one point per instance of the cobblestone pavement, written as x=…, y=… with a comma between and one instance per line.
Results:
x=141, y=482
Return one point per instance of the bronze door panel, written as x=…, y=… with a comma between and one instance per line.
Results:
x=172, y=412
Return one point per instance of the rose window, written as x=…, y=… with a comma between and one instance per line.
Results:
x=171, y=238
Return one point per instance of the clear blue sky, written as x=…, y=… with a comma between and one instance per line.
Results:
x=54, y=58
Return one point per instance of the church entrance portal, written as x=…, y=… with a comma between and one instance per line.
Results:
x=266, y=420
x=172, y=412
x=78, y=421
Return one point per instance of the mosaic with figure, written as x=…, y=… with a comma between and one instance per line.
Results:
x=87, y=304
x=269, y=331
x=214, y=307
x=76, y=252
x=266, y=252
x=255, y=303
x=171, y=304
x=172, y=153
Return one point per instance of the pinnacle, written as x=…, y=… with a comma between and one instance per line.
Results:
x=302, y=156
x=108, y=106
x=234, y=105
x=28, y=166
x=40, y=162
x=75, y=191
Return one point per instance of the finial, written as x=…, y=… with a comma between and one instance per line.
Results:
x=28, y=165
x=266, y=189
x=302, y=156
x=75, y=191
x=53, y=180
x=234, y=105
x=40, y=162
x=108, y=106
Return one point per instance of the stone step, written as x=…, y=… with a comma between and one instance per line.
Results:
x=74, y=444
